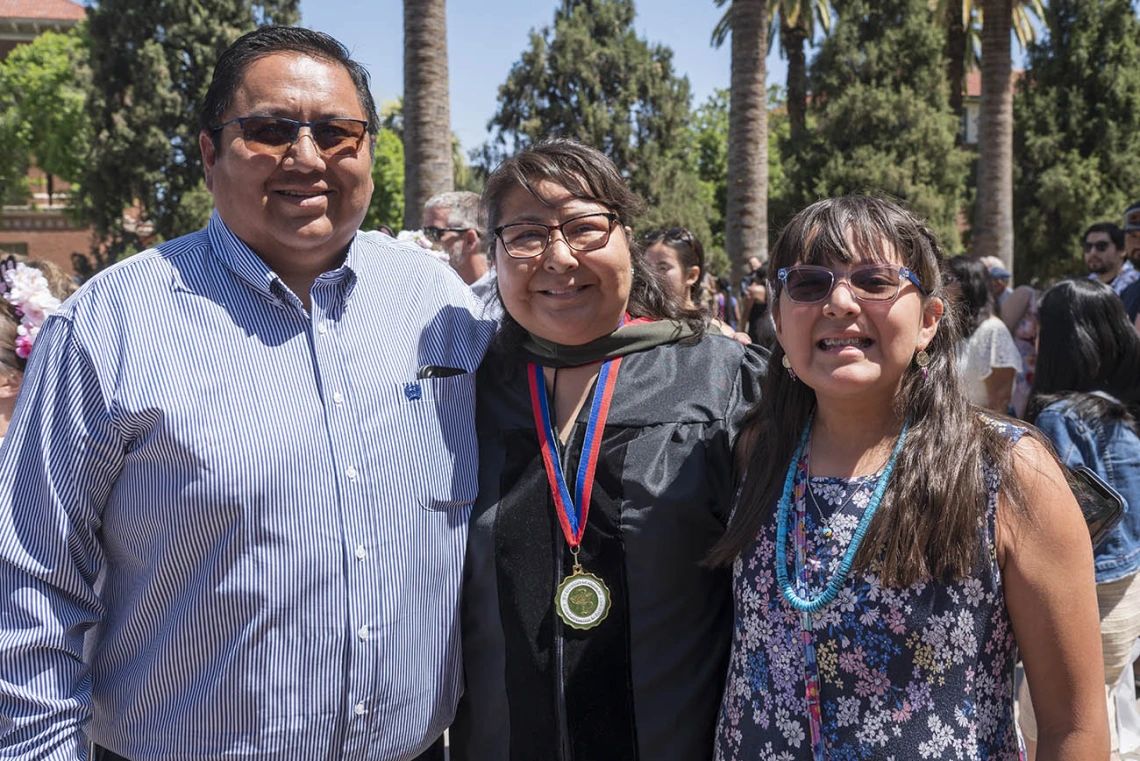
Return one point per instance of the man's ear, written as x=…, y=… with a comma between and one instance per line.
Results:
x=471, y=242
x=209, y=157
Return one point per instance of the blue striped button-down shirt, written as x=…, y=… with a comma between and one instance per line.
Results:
x=233, y=528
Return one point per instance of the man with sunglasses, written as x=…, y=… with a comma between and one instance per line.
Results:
x=1132, y=232
x=453, y=223
x=237, y=479
x=1131, y=295
x=1104, y=252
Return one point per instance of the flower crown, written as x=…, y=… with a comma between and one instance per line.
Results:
x=26, y=290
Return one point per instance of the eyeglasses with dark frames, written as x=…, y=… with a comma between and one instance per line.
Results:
x=526, y=240
x=1132, y=220
x=275, y=135
x=434, y=234
x=1099, y=245
x=809, y=284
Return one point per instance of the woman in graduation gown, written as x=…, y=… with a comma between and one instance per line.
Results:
x=607, y=420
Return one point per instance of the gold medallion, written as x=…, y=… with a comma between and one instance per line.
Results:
x=582, y=600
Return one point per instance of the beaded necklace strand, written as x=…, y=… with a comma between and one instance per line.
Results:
x=806, y=606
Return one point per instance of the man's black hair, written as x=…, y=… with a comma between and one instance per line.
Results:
x=1115, y=234
x=268, y=40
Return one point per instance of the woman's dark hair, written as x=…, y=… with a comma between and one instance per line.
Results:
x=268, y=40
x=927, y=524
x=975, y=304
x=589, y=174
x=690, y=252
x=1086, y=343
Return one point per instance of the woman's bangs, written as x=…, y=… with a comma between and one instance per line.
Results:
x=849, y=243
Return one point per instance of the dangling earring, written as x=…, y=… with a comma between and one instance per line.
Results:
x=787, y=363
x=922, y=359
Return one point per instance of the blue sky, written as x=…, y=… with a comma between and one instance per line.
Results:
x=485, y=38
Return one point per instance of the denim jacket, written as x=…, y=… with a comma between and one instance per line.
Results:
x=1112, y=450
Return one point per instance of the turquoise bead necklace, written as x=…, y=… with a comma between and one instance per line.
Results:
x=808, y=605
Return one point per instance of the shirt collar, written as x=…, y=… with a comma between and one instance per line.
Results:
x=250, y=268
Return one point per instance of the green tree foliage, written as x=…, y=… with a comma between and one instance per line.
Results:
x=1077, y=132
x=710, y=127
x=151, y=63
x=387, y=206
x=590, y=77
x=465, y=177
x=882, y=122
x=42, y=121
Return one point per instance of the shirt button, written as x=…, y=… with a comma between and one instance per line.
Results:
x=351, y=473
x=338, y=397
x=361, y=553
x=358, y=709
x=362, y=632
x=322, y=328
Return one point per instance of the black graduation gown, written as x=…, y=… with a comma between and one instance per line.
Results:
x=646, y=682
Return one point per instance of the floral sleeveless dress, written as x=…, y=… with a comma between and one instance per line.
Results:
x=922, y=672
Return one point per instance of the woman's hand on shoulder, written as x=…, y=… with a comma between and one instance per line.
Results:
x=725, y=330
x=1046, y=560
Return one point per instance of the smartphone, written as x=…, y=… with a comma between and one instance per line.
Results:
x=1103, y=507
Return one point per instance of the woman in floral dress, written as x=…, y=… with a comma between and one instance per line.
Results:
x=893, y=549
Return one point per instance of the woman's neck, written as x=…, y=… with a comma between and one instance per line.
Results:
x=568, y=389
x=848, y=440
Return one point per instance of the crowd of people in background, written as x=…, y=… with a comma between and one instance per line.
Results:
x=284, y=488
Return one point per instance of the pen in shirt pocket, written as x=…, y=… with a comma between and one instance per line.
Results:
x=438, y=371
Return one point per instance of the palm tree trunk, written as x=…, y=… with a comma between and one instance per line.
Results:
x=427, y=114
x=993, y=230
x=792, y=39
x=956, y=57
x=746, y=215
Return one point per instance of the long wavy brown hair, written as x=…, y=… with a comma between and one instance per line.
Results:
x=927, y=526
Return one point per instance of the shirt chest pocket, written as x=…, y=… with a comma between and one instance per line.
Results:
x=436, y=418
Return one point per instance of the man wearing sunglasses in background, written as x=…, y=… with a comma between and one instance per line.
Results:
x=1104, y=253
x=236, y=483
x=1132, y=232
x=454, y=223
x=1131, y=295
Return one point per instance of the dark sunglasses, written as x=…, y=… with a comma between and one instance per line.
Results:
x=1132, y=221
x=435, y=233
x=808, y=284
x=275, y=135
x=1100, y=245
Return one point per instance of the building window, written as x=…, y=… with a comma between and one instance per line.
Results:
x=19, y=249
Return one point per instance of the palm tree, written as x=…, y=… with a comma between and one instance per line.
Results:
x=427, y=113
x=993, y=218
x=746, y=215
x=793, y=26
x=963, y=19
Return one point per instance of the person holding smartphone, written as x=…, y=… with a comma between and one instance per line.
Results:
x=1085, y=397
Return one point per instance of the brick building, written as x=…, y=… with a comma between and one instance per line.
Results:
x=39, y=228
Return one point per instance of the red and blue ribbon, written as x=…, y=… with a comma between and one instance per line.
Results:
x=572, y=516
